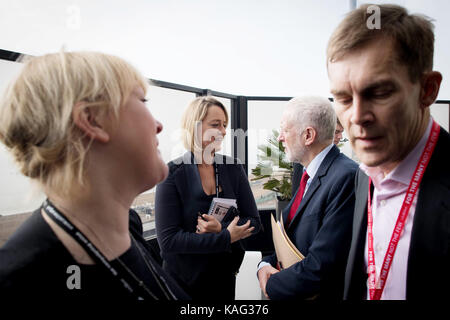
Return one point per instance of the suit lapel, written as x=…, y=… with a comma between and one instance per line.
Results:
x=315, y=184
x=287, y=209
x=360, y=216
x=355, y=275
x=192, y=182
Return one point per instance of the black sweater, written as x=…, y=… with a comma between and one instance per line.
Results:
x=35, y=264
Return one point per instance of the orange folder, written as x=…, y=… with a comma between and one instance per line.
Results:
x=287, y=253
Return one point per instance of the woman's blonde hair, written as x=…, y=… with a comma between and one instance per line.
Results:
x=193, y=116
x=36, y=122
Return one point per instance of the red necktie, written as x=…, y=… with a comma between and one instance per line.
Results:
x=298, y=197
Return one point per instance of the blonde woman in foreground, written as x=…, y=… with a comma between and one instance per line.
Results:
x=77, y=124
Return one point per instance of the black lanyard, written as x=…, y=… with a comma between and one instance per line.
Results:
x=216, y=170
x=117, y=273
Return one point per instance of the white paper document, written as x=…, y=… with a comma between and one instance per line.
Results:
x=219, y=207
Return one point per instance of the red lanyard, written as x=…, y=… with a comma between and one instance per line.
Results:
x=376, y=288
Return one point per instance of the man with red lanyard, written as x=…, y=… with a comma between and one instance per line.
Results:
x=383, y=84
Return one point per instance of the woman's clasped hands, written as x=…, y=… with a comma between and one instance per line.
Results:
x=208, y=224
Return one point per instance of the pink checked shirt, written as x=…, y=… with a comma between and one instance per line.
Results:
x=388, y=197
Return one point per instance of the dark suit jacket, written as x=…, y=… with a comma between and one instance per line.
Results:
x=296, y=176
x=321, y=230
x=189, y=256
x=429, y=253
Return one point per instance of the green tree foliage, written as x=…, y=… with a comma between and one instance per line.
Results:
x=272, y=164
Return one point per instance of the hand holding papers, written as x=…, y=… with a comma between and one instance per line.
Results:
x=221, y=206
x=287, y=253
x=225, y=211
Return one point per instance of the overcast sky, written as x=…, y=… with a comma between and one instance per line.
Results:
x=245, y=47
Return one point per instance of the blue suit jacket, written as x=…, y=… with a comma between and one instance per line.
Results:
x=321, y=229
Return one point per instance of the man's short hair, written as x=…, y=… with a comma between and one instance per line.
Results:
x=313, y=111
x=412, y=36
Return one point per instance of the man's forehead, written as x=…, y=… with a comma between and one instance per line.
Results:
x=285, y=117
x=366, y=66
x=285, y=123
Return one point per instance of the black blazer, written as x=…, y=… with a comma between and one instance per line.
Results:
x=296, y=176
x=321, y=230
x=428, y=274
x=34, y=263
x=187, y=255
